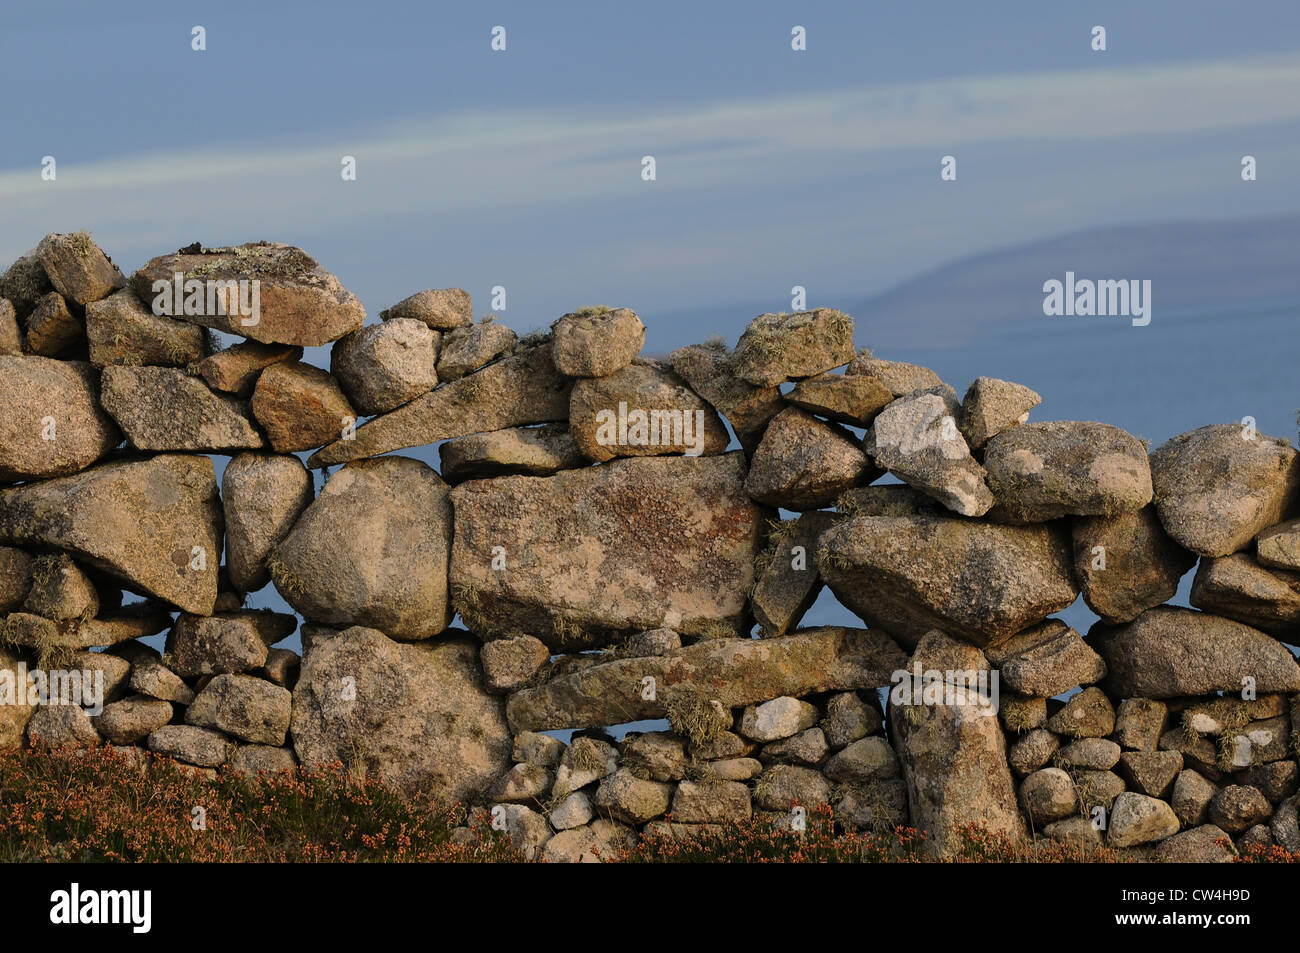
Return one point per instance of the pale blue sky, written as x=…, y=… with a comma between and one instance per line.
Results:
x=522, y=168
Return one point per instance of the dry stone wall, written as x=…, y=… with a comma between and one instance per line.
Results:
x=609, y=561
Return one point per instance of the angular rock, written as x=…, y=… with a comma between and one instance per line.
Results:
x=1191, y=797
x=400, y=692
x=44, y=635
x=298, y=301
x=1046, y=660
x=25, y=283
x=623, y=796
x=61, y=726
x=522, y=389
x=1199, y=753
x=735, y=672
x=192, y=745
x=126, y=722
x=441, y=309
x=1088, y=714
x=262, y=497
x=1126, y=564
x=807, y=747
x=979, y=581
x=466, y=349
x=643, y=409
x=382, y=366
x=595, y=342
x=868, y=759
x=899, y=378
x=1278, y=547
x=1139, y=723
x=992, y=406
x=1258, y=742
x=228, y=643
x=1096, y=754
x=163, y=408
x=1019, y=713
x=711, y=802
x=146, y=522
x=583, y=845
x=534, y=748
x=954, y=758
x=852, y=399
x=1238, y=807
x=113, y=670
x=356, y=556
x=527, y=451
x=655, y=756
x=1238, y=587
x=782, y=786
x=52, y=329
x=776, y=719
x=1276, y=780
x=522, y=784
x=1168, y=651
x=654, y=642
x=708, y=371
x=301, y=407
x=1206, y=844
x=880, y=806
x=281, y=668
x=781, y=347
x=574, y=811
x=585, y=761
x=150, y=677
x=849, y=718
x=1285, y=827
x=60, y=590
x=1150, y=772
x=728, y=769
x=55, y=399
x=1138, y=819
x=77, y=268
x=236, y=369
x=247, y=708
x=510, y=663
x=121, y=330
x=1043, y=471
x=1215, y=489
x=803, y=463
x=916, y=439
x=674, y=540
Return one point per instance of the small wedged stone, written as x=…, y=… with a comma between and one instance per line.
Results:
x=525, y=451
x=509, y=663
x=465, y=350
x=1278, y=547
x=1046, y=660
x=1150, y=772
x=236, y=369
x=643, y=409
x=441, y=309
x=1088, y=714
x=992, y=406
x=1126, y=564
x=382, y=366
x=53, y=330
x=803, y=463
x=227, y=643
x=916, y=439
x=852, y=399
x=78, y=268
x=709, y=372
x=898, y=377
x=300, y=407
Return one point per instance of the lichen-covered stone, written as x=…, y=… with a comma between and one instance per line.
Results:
x=594, y=342
x=1126, y=564
x=163, y=408
x=262, y=497
x=781, y=347
x=382, y=366
x=803, y=463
